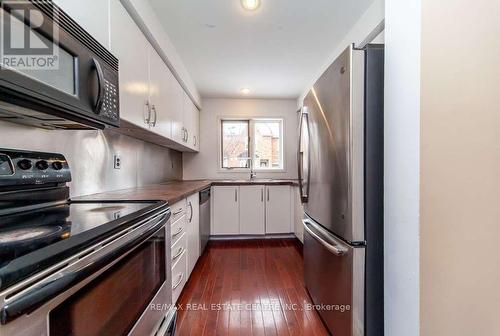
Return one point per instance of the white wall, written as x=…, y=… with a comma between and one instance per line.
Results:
x=90, y=156
x=459, y=177
x=402, y=120
x=357, y=34
x=205, y=164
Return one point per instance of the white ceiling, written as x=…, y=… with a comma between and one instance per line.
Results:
x=274, y=51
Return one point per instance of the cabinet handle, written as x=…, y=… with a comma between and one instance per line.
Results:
x=153, y=124
x=178, y=282
x=187, y=135
x=147, y=119
x=177, y=212
x=178, y=254
x=195, y=140
x=191, y=211
x=236, y=195
x=262, y=195
x=179, y=231
x=268, y=194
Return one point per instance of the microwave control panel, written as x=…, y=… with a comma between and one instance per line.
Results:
x=110, y=107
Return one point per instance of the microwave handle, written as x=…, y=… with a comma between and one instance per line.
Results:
x=45, y=292
x=100, y=83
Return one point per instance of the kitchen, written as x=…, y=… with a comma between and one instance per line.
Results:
x=246, y=167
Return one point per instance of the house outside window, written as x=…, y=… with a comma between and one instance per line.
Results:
x=257, y=142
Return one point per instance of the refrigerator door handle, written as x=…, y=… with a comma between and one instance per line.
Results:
x=336, y=247
x=304, y=122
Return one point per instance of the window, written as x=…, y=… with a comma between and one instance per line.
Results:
x=235, y=144
x=257, y=142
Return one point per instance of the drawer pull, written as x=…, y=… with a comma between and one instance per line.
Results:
x=178, y=212
x=179, y=231
x=181, y=276
x=178, y=254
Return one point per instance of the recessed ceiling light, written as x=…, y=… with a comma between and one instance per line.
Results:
x=250, y=4
x=245, y=91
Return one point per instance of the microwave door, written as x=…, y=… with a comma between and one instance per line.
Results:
x=77, y=80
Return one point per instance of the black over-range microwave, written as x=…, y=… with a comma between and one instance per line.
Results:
x=53, y=74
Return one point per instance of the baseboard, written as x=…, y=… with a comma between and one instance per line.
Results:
x=253, y=237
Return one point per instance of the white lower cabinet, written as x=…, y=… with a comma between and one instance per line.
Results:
x=179, y=277
x=185, y=242
x=278, y=209
x=193, y=231
x=226, y=212
x=251, y=210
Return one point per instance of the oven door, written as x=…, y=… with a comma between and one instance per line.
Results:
x=123, y=287
x=54, y=74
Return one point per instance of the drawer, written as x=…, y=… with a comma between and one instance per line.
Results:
x=179, y=247
x=178, y=228
x=179, y=277
x=178, y=210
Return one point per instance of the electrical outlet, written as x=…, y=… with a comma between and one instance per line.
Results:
x=117, y=161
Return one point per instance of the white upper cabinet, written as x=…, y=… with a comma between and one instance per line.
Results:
x=159, y=86
x=131, y=47
x=151, y=98
x=177, y=113
x=278, y=209
x=252, y=211
x=191, y=124
x=92, y=15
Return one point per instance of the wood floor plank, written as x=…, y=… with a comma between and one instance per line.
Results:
x=251, y=287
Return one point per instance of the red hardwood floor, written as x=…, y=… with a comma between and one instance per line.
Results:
x=253, y=287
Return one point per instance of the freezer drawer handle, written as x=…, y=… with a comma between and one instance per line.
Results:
x=335, y=249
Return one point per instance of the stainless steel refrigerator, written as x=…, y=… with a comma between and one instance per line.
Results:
x=341, y=182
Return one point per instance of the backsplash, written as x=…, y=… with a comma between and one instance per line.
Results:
x=90, y=156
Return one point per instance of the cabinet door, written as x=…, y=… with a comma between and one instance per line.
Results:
x=191, y=123
x=252, y=210
x=130, y=46
x=159, y=82
x=177, y=113
x=92, y=15
x=194, y=122
x=278, y=209
x=225, y=219
x=193, y=231
x=196, y=128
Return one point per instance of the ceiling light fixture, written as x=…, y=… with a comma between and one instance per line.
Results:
x=245, y=91
x=250, y=5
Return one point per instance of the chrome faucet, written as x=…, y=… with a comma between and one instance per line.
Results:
x=253, y=174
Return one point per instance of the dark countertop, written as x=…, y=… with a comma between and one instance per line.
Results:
x=175, y=191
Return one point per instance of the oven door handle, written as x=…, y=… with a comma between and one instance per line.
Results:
x=41, y=294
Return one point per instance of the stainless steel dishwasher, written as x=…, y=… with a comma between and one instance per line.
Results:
x=204, y=218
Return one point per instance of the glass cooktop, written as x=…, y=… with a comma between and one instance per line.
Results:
x=24, y=234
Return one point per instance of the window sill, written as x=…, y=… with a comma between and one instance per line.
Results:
x=247, y=171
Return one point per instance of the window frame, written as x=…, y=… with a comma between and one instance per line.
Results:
x=251, y=144
x=221, y=145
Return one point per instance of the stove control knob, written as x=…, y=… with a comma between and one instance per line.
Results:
x=42, y=165
x=57, y=165
x=24, y=164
